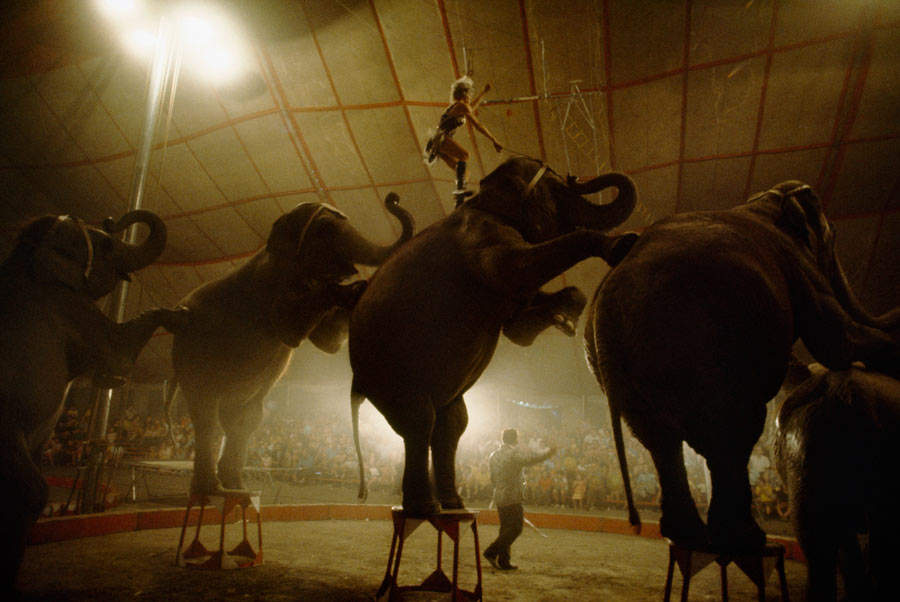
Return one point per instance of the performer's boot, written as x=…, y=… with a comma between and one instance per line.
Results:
x=460, y=175
x=461, y=193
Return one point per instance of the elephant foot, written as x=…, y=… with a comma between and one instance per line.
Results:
x=618, y=247
x=351, y=293
x=455, y=503
x=686, y=533
x=738, y=539
x=108, y=381
x=564, y=324
x=206, y=486
x=421, y=509
x=175, y=320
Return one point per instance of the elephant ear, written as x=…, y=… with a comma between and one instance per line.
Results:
x=63, y=254
x=502, y=193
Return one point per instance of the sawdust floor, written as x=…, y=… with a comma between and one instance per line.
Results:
x=345, y=561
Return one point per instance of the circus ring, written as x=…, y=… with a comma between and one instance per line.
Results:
x=338, y=552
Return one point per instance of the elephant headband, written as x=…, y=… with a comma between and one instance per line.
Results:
x=322, y=207
x=87, y=239
x=537, y=178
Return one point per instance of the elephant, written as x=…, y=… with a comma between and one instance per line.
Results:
x=427, y=325
x=692, y=334
x=53, y=333
x=837, y=447
x=245, y=325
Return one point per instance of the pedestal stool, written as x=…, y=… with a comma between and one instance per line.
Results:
x=241, y=556
x=757, y=566
x=447, y=521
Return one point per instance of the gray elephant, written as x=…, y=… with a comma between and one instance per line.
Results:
x=427, y=325
x=837, y=448
x=244, y=327
x=52, y=333
x=691, y=336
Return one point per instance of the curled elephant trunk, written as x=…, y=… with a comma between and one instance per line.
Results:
x=607, y=216
x=888, y=322
x=364, y=252
x=130, y=257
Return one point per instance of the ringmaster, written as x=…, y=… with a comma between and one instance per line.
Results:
x=508, y=478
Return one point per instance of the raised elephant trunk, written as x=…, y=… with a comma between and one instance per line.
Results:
x=130, y=257
x=610, y=215
x=364, y=252
x=888, y=322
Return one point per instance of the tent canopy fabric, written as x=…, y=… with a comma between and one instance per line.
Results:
x=702, y=102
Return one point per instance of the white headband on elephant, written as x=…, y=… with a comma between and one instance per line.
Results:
x=89, y=264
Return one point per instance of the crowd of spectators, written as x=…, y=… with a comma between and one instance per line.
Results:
x=317, y=447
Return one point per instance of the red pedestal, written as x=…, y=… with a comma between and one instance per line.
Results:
x=756, y=566
x=198, y=556
x=447, y=522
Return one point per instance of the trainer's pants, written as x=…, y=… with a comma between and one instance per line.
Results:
x=511, y=522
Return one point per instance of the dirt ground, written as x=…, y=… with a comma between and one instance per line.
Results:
x=345, y=561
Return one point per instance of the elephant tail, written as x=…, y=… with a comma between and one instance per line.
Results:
x=616, y=420
x=356, y=400
x=171, y=388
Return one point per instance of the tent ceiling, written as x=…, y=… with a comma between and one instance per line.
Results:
x=703, y=102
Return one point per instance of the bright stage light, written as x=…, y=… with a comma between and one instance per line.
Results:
x=141, y=42
x=118, y=8
x=211, y=46
x=195, y=30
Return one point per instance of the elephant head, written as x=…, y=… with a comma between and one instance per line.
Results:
x=312, y=249
x=542, y=205
x=89, y=260
x=794, y=208
x=322, y=244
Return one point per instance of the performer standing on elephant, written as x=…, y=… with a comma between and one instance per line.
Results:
x=508, y=477
x=441, y=143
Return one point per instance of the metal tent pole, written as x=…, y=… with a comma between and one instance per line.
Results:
x=160, y=71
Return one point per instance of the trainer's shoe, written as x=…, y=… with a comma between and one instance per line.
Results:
x=492, y=558
x=508, y=567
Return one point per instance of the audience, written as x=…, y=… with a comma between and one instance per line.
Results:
x=316, y=447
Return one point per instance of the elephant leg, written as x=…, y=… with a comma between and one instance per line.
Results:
x=450, y=423
x=561, y=309
x=239, y=423
x=25, y=495
x=731, y=524
x=884, y=553
x=727, y=451
x=818, y=533
x=126, y=340
x=132, y=336
x=679, y=520
x=413, y=419
x=207, y=434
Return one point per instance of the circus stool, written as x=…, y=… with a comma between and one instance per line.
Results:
x=447, y=521
x=241, y=556
x=757, y=566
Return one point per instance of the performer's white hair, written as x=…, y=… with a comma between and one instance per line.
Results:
x=460, y=87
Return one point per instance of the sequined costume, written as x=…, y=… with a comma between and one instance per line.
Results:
x=447, y=125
